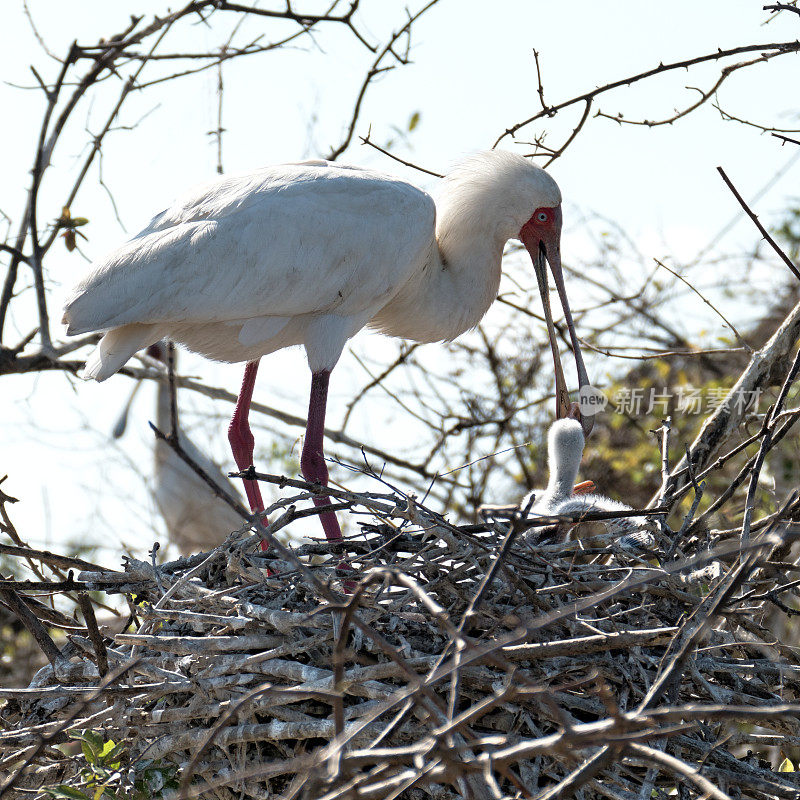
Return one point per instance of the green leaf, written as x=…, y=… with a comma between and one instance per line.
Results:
x=100, y=792
x=91, y=744
x=786, y=766
x=76, y=222
x=107, y=747
x=67, y=791
x=414, y=121
x=88, y=753
x=111, y=755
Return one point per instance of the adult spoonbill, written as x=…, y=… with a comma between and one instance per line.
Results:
x=195, y=518
x=309, y=253
x=565, y=443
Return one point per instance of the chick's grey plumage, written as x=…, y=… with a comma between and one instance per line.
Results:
x=565, y=444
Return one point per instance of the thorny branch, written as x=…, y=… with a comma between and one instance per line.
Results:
x=770, y=50
x=377, y=69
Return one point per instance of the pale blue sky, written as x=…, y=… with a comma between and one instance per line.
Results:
x=473, y=75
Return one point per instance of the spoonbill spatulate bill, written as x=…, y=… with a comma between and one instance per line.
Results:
x=195, y=518
x=308, y=254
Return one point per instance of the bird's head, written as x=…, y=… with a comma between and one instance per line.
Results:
x=565, y=443
x=541, y=236
x=507, y=194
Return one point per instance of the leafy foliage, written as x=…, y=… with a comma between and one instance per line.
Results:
x=107, y=775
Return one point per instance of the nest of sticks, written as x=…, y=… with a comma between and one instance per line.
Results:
x=451, y=661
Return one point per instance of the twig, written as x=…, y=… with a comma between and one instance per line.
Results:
x=35, y=628
x=727, y=322
x=762, y=230
x=785, y=139
x=94, y=633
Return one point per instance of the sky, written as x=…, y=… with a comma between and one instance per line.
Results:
x=472, y=75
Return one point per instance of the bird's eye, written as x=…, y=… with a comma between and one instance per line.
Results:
x=541, y=216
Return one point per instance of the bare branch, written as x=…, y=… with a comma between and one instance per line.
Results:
x=786, y=260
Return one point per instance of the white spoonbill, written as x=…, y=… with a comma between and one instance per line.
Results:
x=565, y=443
x=310, y=253
x=195, y=518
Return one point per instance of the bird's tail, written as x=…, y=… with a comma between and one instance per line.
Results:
x=116, y=347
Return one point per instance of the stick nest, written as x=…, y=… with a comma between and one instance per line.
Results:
x=451, y=662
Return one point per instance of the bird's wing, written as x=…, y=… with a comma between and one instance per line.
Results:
x=298, y=239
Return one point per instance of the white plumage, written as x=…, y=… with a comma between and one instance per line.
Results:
x=195, y=518
x=565, y=443
x=253, y=263
x=310, y=253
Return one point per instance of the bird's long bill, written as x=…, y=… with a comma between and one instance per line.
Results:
x=562, y=393
x=549, y=246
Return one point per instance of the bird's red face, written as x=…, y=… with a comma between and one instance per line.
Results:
x=542, y=232
x=541, y=235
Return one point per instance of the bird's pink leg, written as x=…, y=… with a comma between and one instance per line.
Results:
x=312, y=460
x=241, y=438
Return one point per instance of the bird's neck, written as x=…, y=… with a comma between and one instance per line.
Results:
x=563, y=472
x=467, y=270
x=452, y=291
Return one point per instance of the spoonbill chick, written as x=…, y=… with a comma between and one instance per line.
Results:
x=565, y=444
